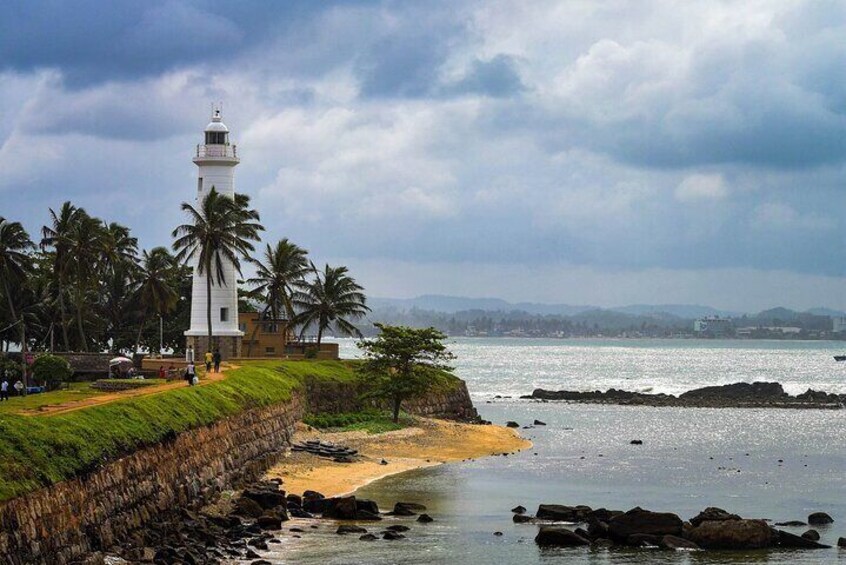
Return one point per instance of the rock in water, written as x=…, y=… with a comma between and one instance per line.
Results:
x=349, y=529
x=714, y=514
x=425, y=519
x=539, y=423
x=812, y=535
x=820, y=519
x=786, y=539
x=792, y=523
x=511, y=424
x=675, y=542
x=561, y=513
x=841, y=542
x=407, y=508
x=367, y=506
x=639, y=521
x=521, y=518
x=731, y=534
x=368, y=537
x=636, y=442
x=341, y=508
x=559, y=537
x=392, y=536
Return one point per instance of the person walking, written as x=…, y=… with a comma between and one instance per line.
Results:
x=4, y=389
x=217, y=360
x=190, y=373
x=208, y=359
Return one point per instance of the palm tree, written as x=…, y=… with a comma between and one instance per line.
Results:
x=154, y=289
x=86, y=242
x=330, y=298
x=276, y=280
x=220, y=232
x=15, y=264
x=56, y=236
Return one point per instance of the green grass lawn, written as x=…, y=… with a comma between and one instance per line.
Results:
x=36, y=451
x=370, y=421
x=77, y=391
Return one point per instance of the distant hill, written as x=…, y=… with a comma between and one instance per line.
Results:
x=665, y=312
x=687, y=311
x=453, y=304
x=822, y=311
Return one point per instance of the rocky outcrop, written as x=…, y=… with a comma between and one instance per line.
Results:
x=713, y=528
x=639, y=521
x=732, y=534
x=736, y=395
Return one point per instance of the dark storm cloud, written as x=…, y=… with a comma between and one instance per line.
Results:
x=496, y=77
x=91, y=41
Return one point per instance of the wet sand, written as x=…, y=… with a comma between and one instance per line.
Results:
x=430, y=442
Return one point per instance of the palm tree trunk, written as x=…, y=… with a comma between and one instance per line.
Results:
x=22, y=329
x=208, y=308
x=64, y=315
x=79, y=325
x=140, y=329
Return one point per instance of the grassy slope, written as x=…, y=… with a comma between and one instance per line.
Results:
x=37, y=451
x=76, y=391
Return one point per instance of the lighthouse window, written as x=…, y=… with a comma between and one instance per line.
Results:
x=224, y=314
x=215, y=138
x=200, y=184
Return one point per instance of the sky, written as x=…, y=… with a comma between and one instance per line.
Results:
x=582, y=152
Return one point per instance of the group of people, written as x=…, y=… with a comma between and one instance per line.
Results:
x=211, y=359
x=4, y=388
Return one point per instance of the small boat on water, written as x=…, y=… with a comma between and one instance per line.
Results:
x=840, y=357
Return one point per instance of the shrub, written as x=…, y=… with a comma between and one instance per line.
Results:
x=51, y=370
x=10, y=369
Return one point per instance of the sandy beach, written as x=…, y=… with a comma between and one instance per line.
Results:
x=429, y=442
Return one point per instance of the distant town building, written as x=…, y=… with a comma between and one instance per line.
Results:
x=712, y=325
x=838, y=324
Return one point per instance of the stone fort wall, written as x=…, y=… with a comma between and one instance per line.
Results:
x=56, y=525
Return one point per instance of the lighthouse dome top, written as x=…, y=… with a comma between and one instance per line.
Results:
x=216, y=124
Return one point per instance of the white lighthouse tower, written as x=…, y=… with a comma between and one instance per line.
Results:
x=216, y=159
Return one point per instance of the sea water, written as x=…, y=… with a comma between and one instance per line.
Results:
x=762, y=463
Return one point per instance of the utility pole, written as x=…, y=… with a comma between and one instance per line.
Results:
x=23, y=354
x=161, y=335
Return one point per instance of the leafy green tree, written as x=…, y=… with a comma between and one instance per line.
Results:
x=329, y=299
x=51, y=370
x=154, y=290
x=220, y=230
x=401, y=362
x=15, y=265
x=276, y=280
x=86, y=243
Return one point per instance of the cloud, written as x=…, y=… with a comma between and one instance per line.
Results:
x=497, y=77
x=781, y=216
x=699, y=188
x=658, y=136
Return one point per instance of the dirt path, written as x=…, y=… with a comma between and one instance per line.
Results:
x=106, y=398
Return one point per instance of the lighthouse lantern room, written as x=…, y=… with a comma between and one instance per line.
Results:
x=216, y=160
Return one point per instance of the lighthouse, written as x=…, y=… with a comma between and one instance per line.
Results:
x=216, y=160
